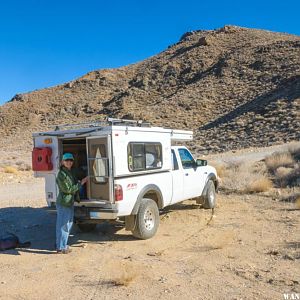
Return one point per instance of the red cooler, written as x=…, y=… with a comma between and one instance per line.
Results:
x=41, y=159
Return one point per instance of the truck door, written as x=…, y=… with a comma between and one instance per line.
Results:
x=99, y=186
x=177, y=180
x=192, y=177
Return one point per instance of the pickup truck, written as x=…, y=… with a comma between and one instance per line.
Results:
x=133, y=169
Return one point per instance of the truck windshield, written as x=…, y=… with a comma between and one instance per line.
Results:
x=187, y=159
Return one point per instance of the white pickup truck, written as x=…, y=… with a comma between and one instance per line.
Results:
x=133, y=171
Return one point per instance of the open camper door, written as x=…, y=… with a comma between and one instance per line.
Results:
x=99, y=186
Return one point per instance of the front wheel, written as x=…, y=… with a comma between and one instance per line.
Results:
x=146, y=220
x=210, y=196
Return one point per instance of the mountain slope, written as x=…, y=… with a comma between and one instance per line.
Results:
x=235, y=87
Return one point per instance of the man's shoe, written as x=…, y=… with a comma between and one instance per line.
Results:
x=64, y=251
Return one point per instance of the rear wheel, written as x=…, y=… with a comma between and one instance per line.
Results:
x=210, y=197
x=86, y=227
x=146, y=220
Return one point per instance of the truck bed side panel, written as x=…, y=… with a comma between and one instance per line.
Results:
x=132, y=187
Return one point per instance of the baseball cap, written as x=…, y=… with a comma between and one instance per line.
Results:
x=68, y=156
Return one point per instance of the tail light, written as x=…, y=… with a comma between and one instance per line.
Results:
x=118, y=192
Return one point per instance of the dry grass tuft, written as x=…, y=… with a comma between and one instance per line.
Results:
x=245, y=178
x=126, y=274
x=124, y=280
x=288, y=194
x=285, y=177
x=279, y=159
x=285, y=166
x=10, y=170
x=220, y=168
x=282, y=172
x=260, y=185
x=294, y=149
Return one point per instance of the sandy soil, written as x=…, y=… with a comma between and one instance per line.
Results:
x=249, y=249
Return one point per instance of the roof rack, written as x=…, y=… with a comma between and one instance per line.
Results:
x=139, y=123
x=107, y=122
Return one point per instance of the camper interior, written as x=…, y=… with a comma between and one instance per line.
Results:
x=91, y=159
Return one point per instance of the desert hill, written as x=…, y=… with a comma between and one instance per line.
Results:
x=235, y=87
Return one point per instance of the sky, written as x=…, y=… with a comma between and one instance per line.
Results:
x=45, y=43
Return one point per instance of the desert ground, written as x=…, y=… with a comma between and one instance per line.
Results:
x=247, y=248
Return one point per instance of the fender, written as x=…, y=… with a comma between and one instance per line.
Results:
x=145, y=190
x=213, y=177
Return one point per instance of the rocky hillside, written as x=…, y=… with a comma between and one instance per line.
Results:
x=235, y=87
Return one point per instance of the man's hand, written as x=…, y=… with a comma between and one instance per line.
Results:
x=84, y=180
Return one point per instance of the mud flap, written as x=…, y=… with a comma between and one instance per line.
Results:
x=129, y=222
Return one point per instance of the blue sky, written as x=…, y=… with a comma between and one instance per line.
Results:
x=44, y=43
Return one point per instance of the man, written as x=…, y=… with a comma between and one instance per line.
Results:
x=68, y=193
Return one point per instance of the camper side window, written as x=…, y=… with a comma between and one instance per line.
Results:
x=144, y=156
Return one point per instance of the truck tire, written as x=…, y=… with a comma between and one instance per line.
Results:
x=210, y=197
x=86, y=227
x=146, y=220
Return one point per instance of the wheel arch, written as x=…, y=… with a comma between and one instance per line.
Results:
x=213, y=177
x=150, y=191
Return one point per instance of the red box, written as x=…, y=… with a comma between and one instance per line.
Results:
x=41, y=159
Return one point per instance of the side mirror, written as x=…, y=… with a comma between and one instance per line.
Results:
x=201, y=162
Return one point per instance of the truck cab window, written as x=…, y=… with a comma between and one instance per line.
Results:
x=187, y=159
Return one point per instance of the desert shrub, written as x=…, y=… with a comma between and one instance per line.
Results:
x=284, y=166
x=282, y=172
x=11, y=170
x=290, y=195
x=245, y=177
x=285, y=177
x=293, y=178
x=124, y=275
x=220, y=168
x=124, y=280
x=262, y=184
x=294, y=149
x=279, y=159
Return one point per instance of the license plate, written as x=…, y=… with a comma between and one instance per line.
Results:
x=94, y=215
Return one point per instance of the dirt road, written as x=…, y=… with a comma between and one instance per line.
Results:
x=249, y=250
